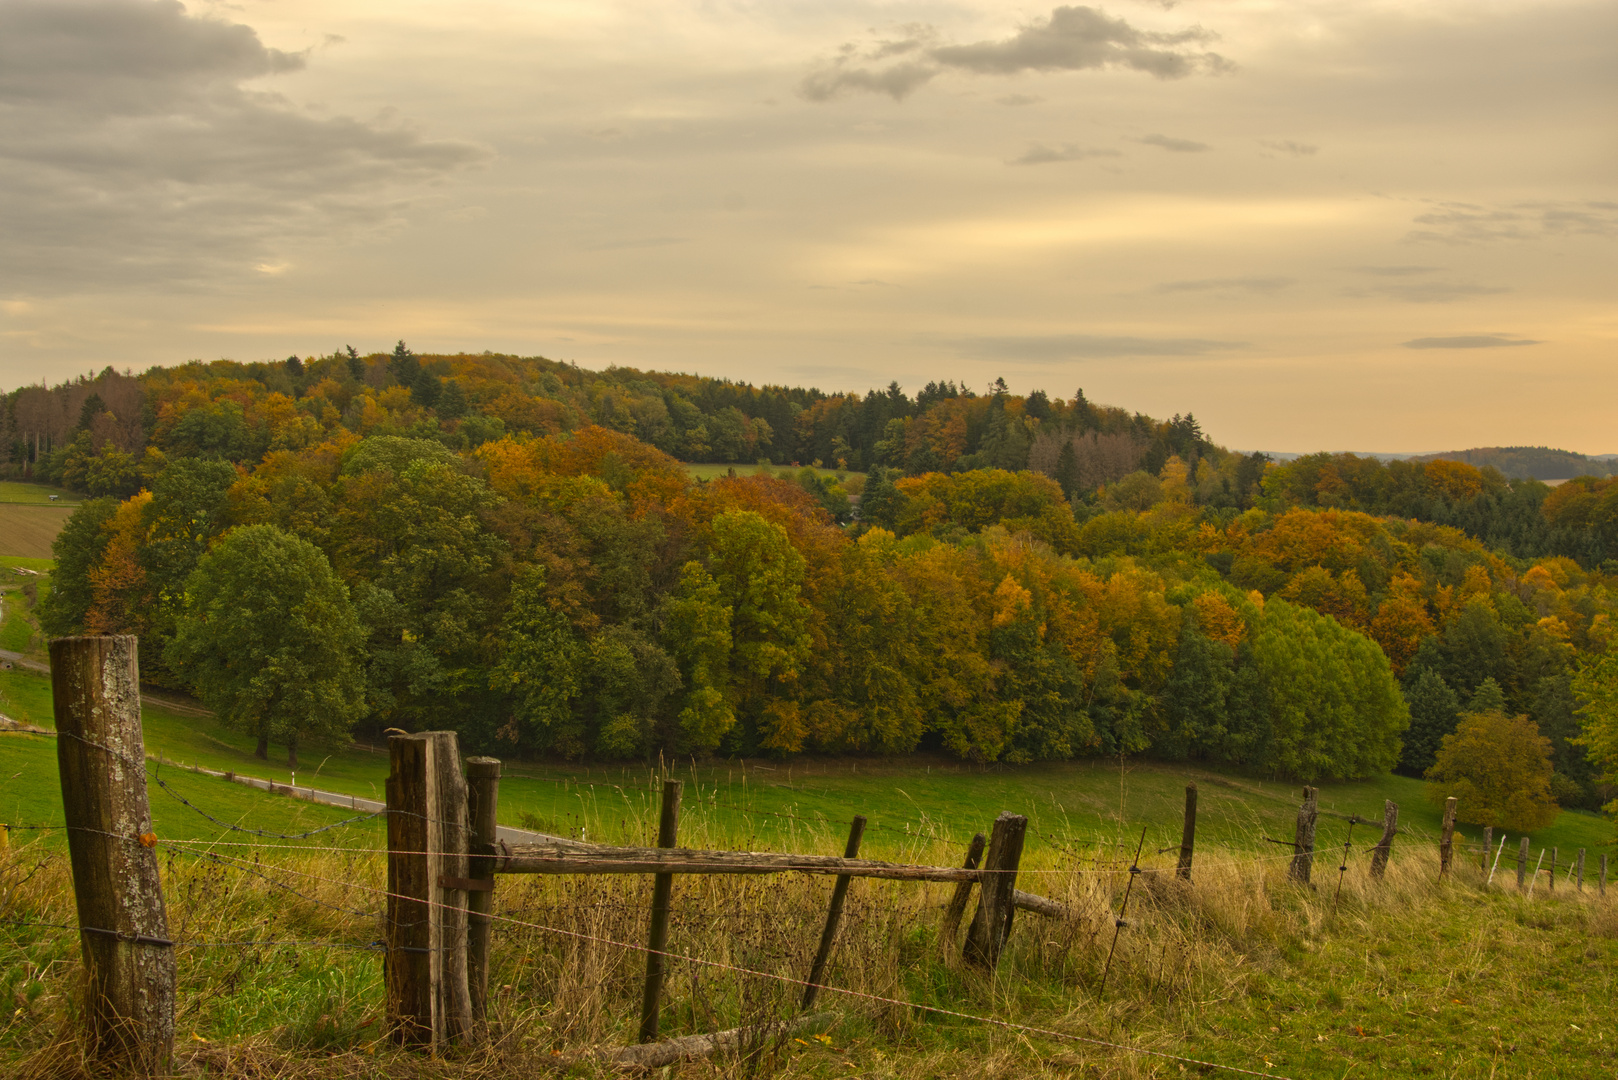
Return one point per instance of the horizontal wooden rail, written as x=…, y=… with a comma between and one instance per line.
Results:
x=575, y=857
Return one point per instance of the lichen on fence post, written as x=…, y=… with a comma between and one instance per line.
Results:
x=1303, y=843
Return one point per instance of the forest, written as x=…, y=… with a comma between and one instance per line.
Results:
x=515, y=549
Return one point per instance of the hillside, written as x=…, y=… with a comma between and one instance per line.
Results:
x=1530, y=462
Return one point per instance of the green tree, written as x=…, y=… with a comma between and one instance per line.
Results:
x=1196, y=700
x=696, y=629
x=1434, y=711
x=1595, y=684
x=77, y=550
x=1334, y=708
x=268, y=639
x=539, y=667
x=1498, y=767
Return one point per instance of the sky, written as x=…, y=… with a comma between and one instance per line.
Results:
x=1315, y=224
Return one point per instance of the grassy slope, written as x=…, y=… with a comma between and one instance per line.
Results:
x=709, y=471
x=12, y=491
x=1072, y=805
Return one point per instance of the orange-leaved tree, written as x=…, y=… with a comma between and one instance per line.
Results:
x=1499, y=768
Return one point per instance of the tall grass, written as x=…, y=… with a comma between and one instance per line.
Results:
x=1240, y=965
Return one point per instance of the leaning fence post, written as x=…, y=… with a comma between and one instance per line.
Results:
x=123, y=927
x=991, y=924
x=834, y=915
x=482, y=801
x=429, y=1003
x=1384, y=846
x=1522, y=863
x=1303, y=843
x=963, y=893
x=1488, y=842
x=657, y=939
x=1446, y=839
x=1188, y=834
x=1552, y=885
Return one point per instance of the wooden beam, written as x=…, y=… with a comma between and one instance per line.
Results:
x=575, y=858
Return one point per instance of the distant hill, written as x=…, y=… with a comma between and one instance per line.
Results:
x=1531, y=462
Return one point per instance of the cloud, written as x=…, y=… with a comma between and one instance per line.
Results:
x=1054, y=348
x=132, y=150
x=1251, y=284
x=1178, y=146
x=1468, y=223
x=1018, y=99
x=1428, y=292
x=1040, y=154
x=1287, y=146
x=1469, y=341
x=1073, y=38
x=1397, y=271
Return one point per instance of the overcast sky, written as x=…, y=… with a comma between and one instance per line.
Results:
x=1316, y=224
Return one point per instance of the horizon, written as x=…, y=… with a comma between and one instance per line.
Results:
x=1322, y=224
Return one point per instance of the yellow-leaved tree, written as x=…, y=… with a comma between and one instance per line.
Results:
x=1499, y=768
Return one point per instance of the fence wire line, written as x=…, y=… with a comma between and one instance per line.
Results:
x=790, y=980
x=370, y=946
x=158, y=777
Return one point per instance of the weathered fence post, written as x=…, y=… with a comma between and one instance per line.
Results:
x=1522, y=863
x=657, y=938
x=1384, y=846
x=1188, y=834
x=991, y=924
x=482, y=801
x=834, y=914
x=1303, y=843
x=429, y=1002
x=1446, y=839
x=123, y=927
x=1552, y=885
x=958, y=899
x=1580, y=880
x=1488, y=842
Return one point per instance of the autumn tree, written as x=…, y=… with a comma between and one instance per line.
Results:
x=268, y=639
x=1499, y=769
x=1596, y=686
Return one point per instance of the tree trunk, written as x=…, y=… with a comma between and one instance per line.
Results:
x=263, y=750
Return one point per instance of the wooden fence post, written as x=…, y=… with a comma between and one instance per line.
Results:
x=963, y=893
x=991, y=924
x=1522, y=864
x=1188, y=834
x=482, y=801
x=1446, y=839
x=1488, y=842
x=1303, y=843
x=1552, y=885
x=834, y=915
x=1384, y=846
x=123, y=926
x=429, y=1002
x=657, y=939
x=1580, y=885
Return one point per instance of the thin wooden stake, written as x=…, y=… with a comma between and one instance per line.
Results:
x=1537, y=865
x=1384, y=846
x=123, y=926
x=834, y=915
x=1119, y=923
x=1446, y=839
x=1303, y=843
x=1496, y=865
x=1580, y=885
x=1188, y=834
x=1552, y=884
x=957, y=901
x=482, y=801
x=668, y=829
x=991, y=924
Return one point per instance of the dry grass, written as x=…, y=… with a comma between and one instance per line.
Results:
x=29, y=530
x=1240, y=966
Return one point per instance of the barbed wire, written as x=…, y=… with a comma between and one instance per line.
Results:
x=157, y=776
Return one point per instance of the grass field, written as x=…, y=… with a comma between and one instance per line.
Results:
x=19, y=493
x=713, y=472
x=29, y=530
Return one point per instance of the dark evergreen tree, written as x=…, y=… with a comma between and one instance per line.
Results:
x=1434, y=711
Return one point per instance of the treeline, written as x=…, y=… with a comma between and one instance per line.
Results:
x=1530, y=462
